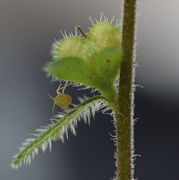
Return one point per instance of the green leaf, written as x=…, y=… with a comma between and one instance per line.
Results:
x=72, y=69
x=57, y=129
x=107, y=63
x=100, y=71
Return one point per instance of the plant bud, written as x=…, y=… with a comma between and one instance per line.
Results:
x=105, y=34
x=75, y=46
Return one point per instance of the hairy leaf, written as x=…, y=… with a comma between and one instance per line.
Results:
x=72, y=69
x=100, y=71
x=57, y=128
x=107, y=64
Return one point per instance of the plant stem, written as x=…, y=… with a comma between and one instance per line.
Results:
x=124, y=105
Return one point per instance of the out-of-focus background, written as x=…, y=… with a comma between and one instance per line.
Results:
x=27, y=30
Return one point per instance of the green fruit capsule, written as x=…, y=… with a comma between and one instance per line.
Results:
x=105, y=34
x=75, y=46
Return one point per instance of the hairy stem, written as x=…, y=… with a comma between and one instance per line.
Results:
x=124, y=104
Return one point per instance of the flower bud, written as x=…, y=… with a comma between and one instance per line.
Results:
x=105, y=34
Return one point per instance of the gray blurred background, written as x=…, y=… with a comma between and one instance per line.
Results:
x=28, y=28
